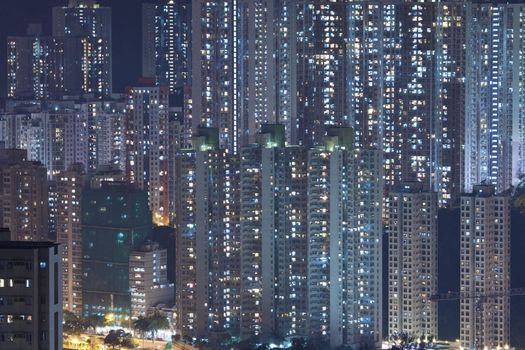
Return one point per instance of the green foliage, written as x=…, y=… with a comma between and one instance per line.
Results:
x=141, y=325
x=157, y=321
x=151, y=324
x=93, y=321
x=403, y=341
x=72, y=323
x=119, y=338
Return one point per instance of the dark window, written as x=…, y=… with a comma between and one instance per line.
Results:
x=55, y=272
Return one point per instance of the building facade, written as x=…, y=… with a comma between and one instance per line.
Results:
x=493, y=126
x=147, y=149
x=63, y=132
x=148, y=279
x=232, y=69
x=85, y=28
x=115, y=220
x=69, y=186
x=273, y=237
x=412, y=261
x=208, y=250
x=344, y=246
x=23, y=196
x=485, y=269
x=31, y=294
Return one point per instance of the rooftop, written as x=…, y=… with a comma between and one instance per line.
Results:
x=27, y=244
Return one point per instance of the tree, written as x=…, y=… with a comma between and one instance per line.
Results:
x=93, y=321
x=119, y=338
x=141, y=325
x=246, y=344
x=157, y=321
x=112, y=339
x=72, y=323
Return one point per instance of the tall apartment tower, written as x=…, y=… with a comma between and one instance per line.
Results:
x=406, y=70
x=69, y=185
x=273, y=237
x=23, y=196
x=310, y=64
x=485, y=269
x=85, y=28
x=33, y=65
x=363, y=323
x=147, y=146
x=232, y=69
x=149, y=14
x=344, y=247
x=494, y=130
x=208, y=250
x=413, y=252
x=105, y=124
x=166, y=51
x=31, y=291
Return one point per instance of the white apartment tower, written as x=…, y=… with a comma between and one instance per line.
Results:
x=148, y=279
x=147, y=149
x=310, y=56
x=208, y=260
x=344, y=242
x=485, y=269
x=232, y=68
x=68, y=227
x=406, y=78
x=273, y=237
x=413, y=267
x=494, y=129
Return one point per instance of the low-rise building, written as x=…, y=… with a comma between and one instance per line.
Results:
x=148, y=279
x=30, y=295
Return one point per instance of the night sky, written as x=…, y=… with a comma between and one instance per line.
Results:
x=15, y=15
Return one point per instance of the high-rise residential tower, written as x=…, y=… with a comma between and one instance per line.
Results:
x=149, y=33
x=148, y=279
x=34, y=65
x=494, y=131
x=311, y=239
x=485, y=269
x=146, y=136
x=23, y=196
x=413, y=271
x=85, y=28
x=69, y=185
x=273, y=237
x=406, y=85
x=311, y=51
x=344, y=246
x=166, y=51
x=59, y=133
x=232, y=69
x=208, y=250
